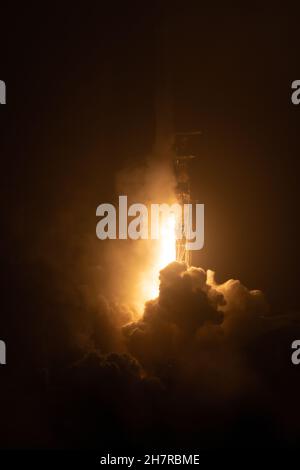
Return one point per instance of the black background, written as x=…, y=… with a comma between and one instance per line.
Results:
x=80, y=107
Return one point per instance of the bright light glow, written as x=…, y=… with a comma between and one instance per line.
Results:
x=167, y=241
x=165, y=253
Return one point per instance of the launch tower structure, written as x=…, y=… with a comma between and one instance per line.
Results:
x=181, y=162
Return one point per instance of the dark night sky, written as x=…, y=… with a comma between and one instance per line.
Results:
x=82, y=83
x=80, y=108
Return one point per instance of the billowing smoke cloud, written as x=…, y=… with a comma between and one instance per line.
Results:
x=198, y=326
x=203, y=365
x=206, y=365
